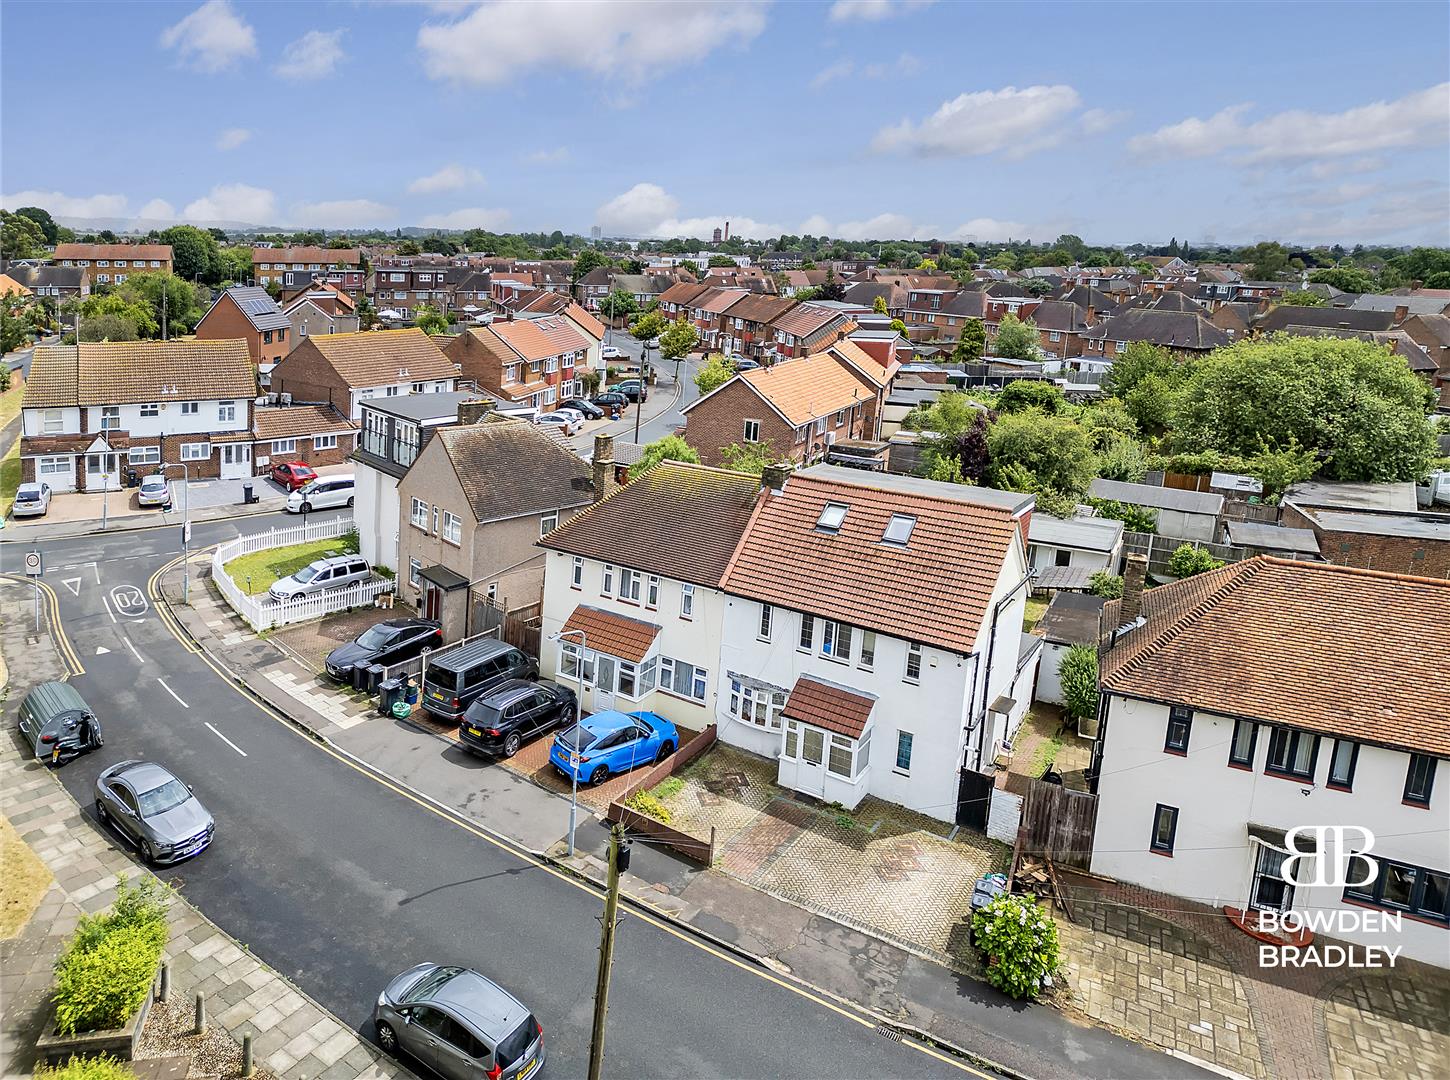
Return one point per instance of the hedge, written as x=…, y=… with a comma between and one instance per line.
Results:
x=105, y=972
x=89, y=1068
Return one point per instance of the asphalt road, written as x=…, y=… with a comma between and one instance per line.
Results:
x=339, y=881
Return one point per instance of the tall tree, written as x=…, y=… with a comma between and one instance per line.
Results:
x=20, y=237
x=1032, y=451
x=677, y=341
x=194, y=253
x=716, y=372
x=48, y=228
x=669, y=448
x=1017, y=339
x=971, y=343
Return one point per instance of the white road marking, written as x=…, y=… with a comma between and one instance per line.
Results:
x=109, y=612
x=101, y=650
x=224, y=739
x=129, y=601
x=96, y=566
x=73, y=584
x=132, y=647
x=173, y=693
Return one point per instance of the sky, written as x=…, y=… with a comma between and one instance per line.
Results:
x=859, y=119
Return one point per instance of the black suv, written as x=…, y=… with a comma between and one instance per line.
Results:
x=590, y=410
x=513, y=712
x=610, y=399
x=389, y=642
x=632, y=389
x=458, y=677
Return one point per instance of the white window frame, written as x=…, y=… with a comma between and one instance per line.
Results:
x=415, y=571
x=226, y=412
x=765, y=623
x=652, y=591
x=53, y=466
x=52, y=422
x=195, y=451
x=110, y=417
x=548, y=522
x=629, y=584
x=832, y=631
x=143, y=455
x=687, y=601
x=913, y=658
x=418, y=514
x=191, y=408
x=150, y=410
x=752, y=431
x=324, y=442
x=576, y=575
x=910, y=747
x=284, y=446
x=763, y=708
x=452, y=529
x=866, y=658
x=606, y=580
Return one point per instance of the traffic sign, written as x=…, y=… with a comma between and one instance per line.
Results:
x=34, y=564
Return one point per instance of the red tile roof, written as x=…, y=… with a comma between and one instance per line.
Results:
x=128, y=252
x=617, y=635
x=826, y=705
x=805, y=319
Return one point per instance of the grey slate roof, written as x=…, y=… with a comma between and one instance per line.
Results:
x=1160, y=498
x=1287, y=315
x=1174, y=329
x=509, y=468
x=1353, y=496
x=1416, y=305
x=1255, y=534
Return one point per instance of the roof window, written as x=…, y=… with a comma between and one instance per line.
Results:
x=898, y=530
x=831, y=517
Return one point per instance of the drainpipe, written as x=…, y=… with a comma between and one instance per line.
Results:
x=980, y=722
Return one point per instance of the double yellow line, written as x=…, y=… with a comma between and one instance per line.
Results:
x=57, y=631
x=164, y=612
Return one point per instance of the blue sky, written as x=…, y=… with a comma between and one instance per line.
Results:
x=873, y=118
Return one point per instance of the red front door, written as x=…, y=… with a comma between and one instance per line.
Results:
x=432, y=601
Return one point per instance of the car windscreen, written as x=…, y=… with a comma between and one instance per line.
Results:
x=430, y=984
x=513, y=1047
x=154, y=482
x=375, y=637
x=307, y=573
x=27, y=496
x=576, y=738
x=159, y=800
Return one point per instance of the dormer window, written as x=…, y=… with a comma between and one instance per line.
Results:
x=831, y=517
x=898, y=530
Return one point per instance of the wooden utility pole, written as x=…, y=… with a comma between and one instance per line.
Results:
x=606, y=955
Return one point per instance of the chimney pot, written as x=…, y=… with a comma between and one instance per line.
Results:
x=774, y=477
x=471, y=412
x=603, y=466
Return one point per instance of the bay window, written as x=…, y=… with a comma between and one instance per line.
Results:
x=757, y=705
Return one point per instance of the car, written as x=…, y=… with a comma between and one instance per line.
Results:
x=389, y=642
x=293, y=474
x=564, y=410
x=31, y=500
x=514, y=711
x=632, y=389
x=154, y=491
x=459, y=1024
x=154, y=811
x=58, y=724
x=587, y=409
x=454, y=680
x=611, y=352
x=331, y=573
x=610, y=399
x=567, y=421
x=611, y=742
x=740, y=363
x=321, y=494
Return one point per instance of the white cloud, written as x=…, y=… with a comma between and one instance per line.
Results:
x=649, y=210
x=1418, y=119
x=881, y=227
x=473, y=217
x=158, y=210
x=830, y=73
x=628, y=40
x=874, y=10
x=449, y=178
x=61, y=205
x=232, y=138
x=903, y=65
x=1330, y=170
x=985, y=228
x=234, y=202
x=212, y=38
x=556, y=156
x=984, y=122
x=1413, y=214
x=315, y=55
x=342, y=214
x=1097, y=121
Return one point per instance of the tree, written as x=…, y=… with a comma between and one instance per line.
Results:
x=716, y=372
x=679, y=340
x=176, y=305
x=109, y=327
x=1349, y=279
x=1022, y=394
x=590, y=380
x=648, y=326
x=588, y=260
x=750, y=457
x=1073, y=245
x=1354, y=405
x=619, y=303
x=831, y=289
x=1106, y=584
x=430, y=320
x=1017, y=339
x=720, y=261
x=125, y=318
x=1298, y=298
x=48, y=228
x=1189, y=561
x=1123, y=458
x=20, y=237
x=879, y=305
x=1031, y=451
x=1003, y=260
x=1078, y=675
x=669, y=448
x=194, y=253
x=946, y=469
x=1134, y=518
x=1269, y=260
x=1278, y=470
x=949, y=416
x=1020, y=938
x=971, y=343
x=234, y=264
x=14, y=332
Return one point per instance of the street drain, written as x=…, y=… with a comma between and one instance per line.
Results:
x=893, y=1035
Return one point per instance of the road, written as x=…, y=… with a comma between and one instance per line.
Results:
x=339, y=880
x=660, y=415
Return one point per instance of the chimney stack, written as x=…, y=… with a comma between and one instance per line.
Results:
x=1401, y=313
x=774, y=477
x=603, y=466
x=471, y=412
x=1134, y=575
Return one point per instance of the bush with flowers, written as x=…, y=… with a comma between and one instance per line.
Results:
x=1020, y=940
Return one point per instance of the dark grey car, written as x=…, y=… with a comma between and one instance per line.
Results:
x=460, y=1024
x=153, y=810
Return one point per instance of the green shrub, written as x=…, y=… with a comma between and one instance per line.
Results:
x=645, y=803
x=1020, y=938
x=110, y=963
x=669, y=787
x=88, y=1068
x=1187, y=560
x=1107, y=585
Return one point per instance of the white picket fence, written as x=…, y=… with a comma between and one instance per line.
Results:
x=264, y=613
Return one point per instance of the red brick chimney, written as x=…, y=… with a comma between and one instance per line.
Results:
x=1135, y=573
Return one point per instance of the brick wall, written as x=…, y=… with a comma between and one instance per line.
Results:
x=308, y=377
x=225, y=321
x=720, y=422
x=1392, y=554
x=307, y=454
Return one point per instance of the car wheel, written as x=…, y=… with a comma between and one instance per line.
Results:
x=101, y=814
x=387, y=1037
x=148, y=856
x=349, y=502
x=306, y=507
x=599, y=775
x=511, y=745
x=666, y=749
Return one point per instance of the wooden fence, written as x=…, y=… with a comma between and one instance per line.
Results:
x=696, y=848
x=1160, y=549
x=520, y=627
x=1058, y=824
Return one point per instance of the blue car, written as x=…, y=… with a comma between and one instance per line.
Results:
x=609, y=743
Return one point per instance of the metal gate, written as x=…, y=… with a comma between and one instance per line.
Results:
x=974, y=799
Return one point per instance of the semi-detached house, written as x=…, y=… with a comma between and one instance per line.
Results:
x=345, y=370
x=534, y=363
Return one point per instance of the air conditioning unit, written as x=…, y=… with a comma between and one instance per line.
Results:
x=262, y=399
x=830, y=438
x=286, y=399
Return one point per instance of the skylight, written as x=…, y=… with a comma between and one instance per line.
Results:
x=898, y=531
x=832, y=516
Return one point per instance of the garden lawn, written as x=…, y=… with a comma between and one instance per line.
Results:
x=1036, y=608
x=10, y=400
x=9, y=478
x=22, y=885
x=265, y=567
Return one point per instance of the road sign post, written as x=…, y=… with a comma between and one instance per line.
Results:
x=34, y=567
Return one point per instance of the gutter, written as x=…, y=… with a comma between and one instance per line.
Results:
x=979, y=722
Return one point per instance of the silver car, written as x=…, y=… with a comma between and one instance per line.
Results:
x=154, y=811
x=459, y=1024
x=154, y=491
x=315, y=577
x=31, y=500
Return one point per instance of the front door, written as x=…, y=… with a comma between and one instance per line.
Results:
x=812, y=777
x=103, y=472
x=432, y=600
x=1269, y=891
x=603, y=683
x=236, y=461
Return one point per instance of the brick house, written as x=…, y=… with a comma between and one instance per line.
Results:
x=472, y=293
x=312, y=434
x=345, y=370
x=707, y=312
x=291, y=267
x=796, y=407
x=320, y=308
x=808, y=328
x=1183, y=332
x=593, y=287
x=111, y=264
x=1432, y=333
x=675, y=299
x=1060, y=327
x=405, y=289
x=534, y=363
x=247, y=312
x=95, y=409
x=472, y=509
x=745, y=326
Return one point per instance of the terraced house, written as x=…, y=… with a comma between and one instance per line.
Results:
x=291, y=267
x=529, y=362
x=111, y=264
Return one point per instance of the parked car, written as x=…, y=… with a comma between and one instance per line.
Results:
x=459, y=677
x=459, y=1024
x=610, y=742
x=58, y=724
x=587, y=409
x=330, y=573
x=568, y=422
x=514, y=711
x=611, y=352
x=293, y=474
x=153, y=810
x=154, y=491
x=632, y=389
x=566, y=411
x=740, y=363
x=388, y=642
x=321, y=494
x=31, y=500
x=610, y=399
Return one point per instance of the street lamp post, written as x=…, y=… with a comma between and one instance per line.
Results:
x=643, y=377
x=574, y=755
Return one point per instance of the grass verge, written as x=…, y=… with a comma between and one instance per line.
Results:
x=1036, y=608
x=9, y=478
x=22, y=885
x=10, y=399
x=255, y=573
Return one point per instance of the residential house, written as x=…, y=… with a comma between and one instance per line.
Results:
x=318, y=309
x=796, y=280
x=1235, y=721
x=808, y=328
x=1071, y=619
x=1181, y=514
x=593, y=287
x=392, y=434
x=1291, y=318
x=291, y=267
x=1237, y=320
x=347, y=369
x=1183, y=332
x=95, y=409
x=746, y=324
x=405, y=289
x=1060, y=327
x=782, y=260
x=633, y=603
x=798, y=408
x=314, y=435
x=474, y=506
x=533, y=363
x=59, y=282
x=705, y=311
x=644, y=288
x=111, y=264
x=473, y=294
x=249, y=313
x=1087, y=543
x=1425, y=302
x=675, y=300
x=872, y=639
x=1432, y=333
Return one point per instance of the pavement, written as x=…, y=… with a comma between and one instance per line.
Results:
x=658, y=417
